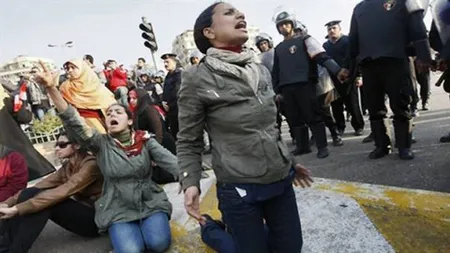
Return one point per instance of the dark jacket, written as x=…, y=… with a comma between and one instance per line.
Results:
x=171, y=86
x=146, y=117
x=246, y=145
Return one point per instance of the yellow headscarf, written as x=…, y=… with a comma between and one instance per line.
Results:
x=86, y=91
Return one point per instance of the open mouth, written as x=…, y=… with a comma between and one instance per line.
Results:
x=114, y=122
x=241, y=25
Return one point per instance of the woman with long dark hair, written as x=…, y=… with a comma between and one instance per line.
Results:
x=230, y=92
x=66, y=197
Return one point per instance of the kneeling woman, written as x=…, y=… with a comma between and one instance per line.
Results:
x=133, y=209
x=231, y=93
x=66, y=197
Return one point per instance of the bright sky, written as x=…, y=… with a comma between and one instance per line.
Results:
x=108, y=29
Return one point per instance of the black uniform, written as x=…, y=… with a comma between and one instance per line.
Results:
x=379, y=35
x=348, y=91
x=295, y=77
x=170, y=90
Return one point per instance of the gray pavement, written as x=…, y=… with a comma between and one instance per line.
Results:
x=430, y=170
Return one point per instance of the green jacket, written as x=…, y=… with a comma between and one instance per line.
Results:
x=129, y=194
x=246, y=145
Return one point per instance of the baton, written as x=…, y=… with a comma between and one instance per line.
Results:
x=442, y=78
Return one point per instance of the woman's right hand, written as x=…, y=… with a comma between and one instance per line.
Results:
x=46, y=77
x=192, y=203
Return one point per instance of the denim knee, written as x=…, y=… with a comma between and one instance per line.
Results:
x=159, y=243
x=129, y=246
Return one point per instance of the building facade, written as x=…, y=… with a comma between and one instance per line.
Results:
x=21, y=65
x=184, y=45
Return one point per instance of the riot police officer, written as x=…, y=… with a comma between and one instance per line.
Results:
x=337, y=48
x=326, y=94
x=264, y=43
x=295, y=78
x=379, y=35
x=439, y=37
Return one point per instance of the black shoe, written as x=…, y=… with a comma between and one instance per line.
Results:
x=368, y=139
x=297, y=152
x=359, y=132
x=425, y=106
x=445, y=139
x=414, y=113
x=341, y=132
x=301, y=141
x=405, y=154
x=379, y=152
x=323, y=153
x=337, y=141
x=218, y=222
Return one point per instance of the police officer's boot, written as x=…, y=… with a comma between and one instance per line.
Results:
x=403, y=139
x=321, y=140
x=381, y=138
x=445, y=139
x=337, y=141
x=369, y=138
x=301, y=141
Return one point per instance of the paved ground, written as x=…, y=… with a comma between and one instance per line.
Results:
x=429, y=171
x=352, y=206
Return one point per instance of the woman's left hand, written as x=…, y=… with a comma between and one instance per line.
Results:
x=8, y=212
x=302, y=176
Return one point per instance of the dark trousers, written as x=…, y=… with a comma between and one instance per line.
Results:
x=275, y=204
x=325, y=108
x=219, y=239
x=387, y=76
x=392, y=77
x=363, y=100
x=22, y=231
x=281, y=111
x=172, y=122
x=302, y=106
x=349, y=98
x=423, y=79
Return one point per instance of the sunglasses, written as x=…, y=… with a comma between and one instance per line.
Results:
x=62, y=144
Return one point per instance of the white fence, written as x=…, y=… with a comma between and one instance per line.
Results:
x=38, y=138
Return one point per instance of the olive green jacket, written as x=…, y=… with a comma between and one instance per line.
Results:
x=246, y=145
x=128, y=194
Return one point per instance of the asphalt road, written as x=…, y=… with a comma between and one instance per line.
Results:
x=430, y=170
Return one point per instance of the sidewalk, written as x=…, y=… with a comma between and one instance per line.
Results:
x=336, y=217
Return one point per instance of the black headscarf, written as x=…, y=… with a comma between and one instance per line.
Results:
x=204, y=21
x=143, y=102
x=13, y=138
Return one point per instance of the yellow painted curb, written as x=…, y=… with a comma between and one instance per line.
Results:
x=411, y=220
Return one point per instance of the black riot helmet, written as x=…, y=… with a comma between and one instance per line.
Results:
x=263, y=37
x=283, y=17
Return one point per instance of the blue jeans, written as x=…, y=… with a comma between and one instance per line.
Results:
x=273, y=203
x=152, y=234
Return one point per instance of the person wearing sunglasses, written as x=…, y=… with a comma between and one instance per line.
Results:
x=66, y=197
